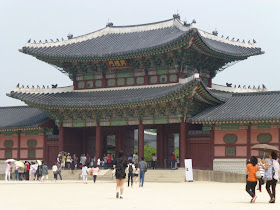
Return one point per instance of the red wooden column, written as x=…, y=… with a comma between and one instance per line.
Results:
x=140, y=140
x=18, y=141
x=98, y=141
x=61, y=139
x=160, y=146
x=118, y=141
x=212, y=143
x=45, y=147
x=84, y=140
x=183, y=143
x=248, y=142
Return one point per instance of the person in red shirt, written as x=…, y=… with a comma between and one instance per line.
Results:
x=109, y=160
x=27, y=165
x=173, y=161
x=252, y=180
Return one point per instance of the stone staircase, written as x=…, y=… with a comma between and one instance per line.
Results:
x=104, y=175
x=172, y=176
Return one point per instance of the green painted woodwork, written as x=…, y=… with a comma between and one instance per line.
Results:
x=111, y=82
x=126, y=74
x=230, y=138
x=153, y=79
x=104, y=122
x=31, y=143
x=163, y=78
x=120, y=82
x=230, y=151
x=130, y=81
x=79, y=123
x=229, y=127
x=88, y=77
x=140, y=80
x=264, y=138
x=8, y=143
x=173, y=78
x=90, y=123
x=8, y=133
x=110, y=75
x=205, y=81
x=31, y=153
x=264, y=126
x=133, y=121
x=148, y=121
x=116, y=122
x=161, y=120
x=8, y=154
x=81, y=84
x=174, y=119
x=89, y=84
x=32, y=133
x=98, y=83
x=206, y=128
x=160, y=72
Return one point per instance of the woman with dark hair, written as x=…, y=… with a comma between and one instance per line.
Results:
x=252, y=180
x=121, y=165
x=271, y=175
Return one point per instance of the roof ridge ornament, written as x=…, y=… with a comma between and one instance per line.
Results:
x=176, y=16
x=70, y=36
x=110, y=24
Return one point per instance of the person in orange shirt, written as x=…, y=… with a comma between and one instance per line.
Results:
x=252, y=180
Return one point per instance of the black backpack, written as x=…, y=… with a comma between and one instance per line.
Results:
x=130, y=169
x=120, y=169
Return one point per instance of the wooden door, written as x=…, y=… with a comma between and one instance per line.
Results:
x=200, y=155
x=52, y=155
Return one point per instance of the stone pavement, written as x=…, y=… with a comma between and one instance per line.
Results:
x=76, y=195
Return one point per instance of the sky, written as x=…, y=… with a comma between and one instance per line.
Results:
x=40, y=20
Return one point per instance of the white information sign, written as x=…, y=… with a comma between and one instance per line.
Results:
x=188, y=170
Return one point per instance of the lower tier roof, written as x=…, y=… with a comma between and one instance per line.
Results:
x=21, y=117
x=244, y=107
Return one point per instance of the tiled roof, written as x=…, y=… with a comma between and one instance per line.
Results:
x=21, y=117
x=119, y=40
x=105, y=97
x=244, y=106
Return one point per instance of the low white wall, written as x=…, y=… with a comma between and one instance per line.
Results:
x=230, y=165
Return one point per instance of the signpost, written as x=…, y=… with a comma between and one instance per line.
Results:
x=188, y=170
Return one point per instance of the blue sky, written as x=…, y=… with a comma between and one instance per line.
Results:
x=40, y=20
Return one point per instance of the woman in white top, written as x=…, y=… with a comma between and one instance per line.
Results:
x=261, y=169
x=54, y=169
x=85, y=173
x=270, y=165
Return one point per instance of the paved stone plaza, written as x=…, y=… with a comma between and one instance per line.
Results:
x=75, y=195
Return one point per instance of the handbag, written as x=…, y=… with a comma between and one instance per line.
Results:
x=258, y=174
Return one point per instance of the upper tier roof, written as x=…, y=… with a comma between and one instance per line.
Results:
x=244, y=107
x=21, y=117
x=123, y=40
x=65, y=97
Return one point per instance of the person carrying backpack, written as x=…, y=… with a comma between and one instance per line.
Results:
x=131, y=169
x=121, y=165
x=143, y=169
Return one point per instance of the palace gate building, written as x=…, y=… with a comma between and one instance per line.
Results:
x=150, y=76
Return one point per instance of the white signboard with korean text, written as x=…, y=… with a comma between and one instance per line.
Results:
x=188, y=170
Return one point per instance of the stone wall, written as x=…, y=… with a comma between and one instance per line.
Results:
x=230, y=165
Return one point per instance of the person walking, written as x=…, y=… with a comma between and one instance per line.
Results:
x=154, y=159
x=121, y=165
x=136, y=174
x=68, y=160
x=63, y=161
x=178, y=162
x=98, y=162
x=109, y=160
x=33, y=169
x=45, y=173
x=16, y=173
x=8, y=172
x=27, y=170
x=271, y=175
x=261, y=165
x=95, y=170
x=54, y=169
x=172, y=160
x=85, y=173
x=251, y=169
x=72, y=166
x=59, y=170
x=143, y=169
x=131, y=169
